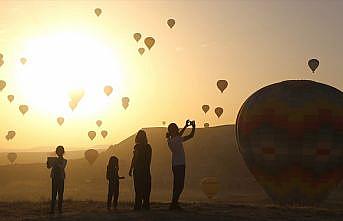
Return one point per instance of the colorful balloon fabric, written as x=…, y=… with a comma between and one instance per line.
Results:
x=290, y=135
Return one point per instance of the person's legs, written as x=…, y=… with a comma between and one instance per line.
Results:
x=60, y=190
x=53, y=195
x=179, y=179
x=138, y=191
x=115, y=194
x=146, y=192
x=110, y=193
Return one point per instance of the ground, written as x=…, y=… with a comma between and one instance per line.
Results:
x=95, y=211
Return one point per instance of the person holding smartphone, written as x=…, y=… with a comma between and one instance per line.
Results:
x=175, y=141
x=57, y=166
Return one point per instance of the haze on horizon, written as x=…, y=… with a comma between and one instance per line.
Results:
x=249, y=43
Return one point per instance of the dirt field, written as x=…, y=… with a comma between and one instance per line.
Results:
x=95, y=211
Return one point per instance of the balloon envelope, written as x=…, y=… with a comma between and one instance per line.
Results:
x=97, y=11
x=125, y=102
x=219, y=111
x=23, y=108
x=171, y=22
x=23, y=60
x=2, y=85
x=11, y=134
x=149, y=42
x=91, y=134
x=98, y=123
x=137, y=36
x=222, y=85
x=11, y=157
x=91, y=155
x=108, y=90
x=73, y=104
x=141, y=51
x=205, y=108
x=10, y=98
x=104, y=133
x=210, y=186
x=206, y=125
x=60, y=120
x=313, y=64
x=290, y=136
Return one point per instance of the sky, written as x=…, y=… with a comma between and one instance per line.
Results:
x=250, y=44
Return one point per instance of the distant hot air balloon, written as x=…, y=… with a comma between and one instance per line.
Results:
x=171, y=22
x=7, y=137
x=98, y=123
x=149, y=42
x=11, y=157
x=60, y=120
x=23, y=60
x=11, y=134
x=137, y=36
x=313, y=64
x=141, y=51
x=219, y=111
x=206, y=125
x=1, y=59
x=108, y=90
x=10, y=98
x=290, y=136
x=73, y=104
x=98, y=11
x=2, y=85
x=205, y=108
x=91, y=134
x=125, y=102
x=210, y=186
x=222, y=85
x=23, y=108
x=91, y=155
x=163, y=123
x=76, y=95
x=104, y=133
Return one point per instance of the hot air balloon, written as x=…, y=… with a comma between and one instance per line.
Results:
x=171, y=22
x=76, y=95
x=91, y=134
x=163, y=123
x=23, y=60
x=222, y=85
x=210, y=186
x=149, y=42
x=91, y=155
x=7, y=137
x=104, y=133
x=108, y=90
x=11, y=157
x=60, y=120
x=10, y=98
x=23, y=108
x=97, y=11
x=2, y=85
x=11, y=134
x=125, y=102
x=137, y=36
x=141, y=51
x=206, y=125
x=290, y=136
x=98, y=123
x=72, y=104
x=219, y=111
x=1, y=60
x=205, y=108
x=313, y=64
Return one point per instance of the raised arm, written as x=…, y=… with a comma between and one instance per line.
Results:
x=184, y=128
x=191, y=135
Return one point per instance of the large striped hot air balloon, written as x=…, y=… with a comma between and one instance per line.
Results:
x=290, y=135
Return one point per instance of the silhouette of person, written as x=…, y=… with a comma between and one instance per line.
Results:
x=57, y=165
x=140, y=165
x=175, y=141
x=113, y=182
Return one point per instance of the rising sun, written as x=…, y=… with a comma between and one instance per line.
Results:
x=60, y=63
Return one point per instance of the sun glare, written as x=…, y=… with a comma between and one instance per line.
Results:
x=58, y=64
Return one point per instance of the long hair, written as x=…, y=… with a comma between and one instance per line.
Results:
x=141, y=137
x=173, y=130
x=112, y=162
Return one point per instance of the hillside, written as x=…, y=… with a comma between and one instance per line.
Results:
x=212, y=152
